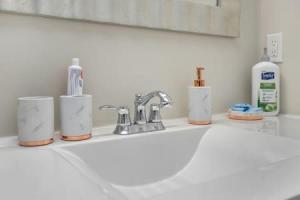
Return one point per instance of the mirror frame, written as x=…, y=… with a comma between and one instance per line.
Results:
x=174, y=15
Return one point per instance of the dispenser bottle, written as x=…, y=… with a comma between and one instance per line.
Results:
x=75, y=79
x=266, y=86
x=199, y=101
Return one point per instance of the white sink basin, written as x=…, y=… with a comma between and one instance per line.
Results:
x=140, y=159
x=149, y=165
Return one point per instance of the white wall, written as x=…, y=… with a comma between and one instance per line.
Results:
x=119, y=62
x=283, y=16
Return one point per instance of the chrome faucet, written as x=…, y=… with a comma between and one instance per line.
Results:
x=141, y=124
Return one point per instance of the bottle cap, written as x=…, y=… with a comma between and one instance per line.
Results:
x=75, y=61
x=199, y=82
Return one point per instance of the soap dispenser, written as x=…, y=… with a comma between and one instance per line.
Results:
x=199, y=101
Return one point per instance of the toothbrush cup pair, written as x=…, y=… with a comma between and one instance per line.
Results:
x=36, y=119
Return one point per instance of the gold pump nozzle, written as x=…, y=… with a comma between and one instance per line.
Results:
x=200, y=82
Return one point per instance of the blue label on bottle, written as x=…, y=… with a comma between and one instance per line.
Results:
x=267, y=75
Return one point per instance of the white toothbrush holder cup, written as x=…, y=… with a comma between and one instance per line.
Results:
x=76, y=117
x=35, y=121
x=199, y=105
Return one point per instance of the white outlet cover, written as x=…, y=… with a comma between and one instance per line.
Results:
x=275, y=47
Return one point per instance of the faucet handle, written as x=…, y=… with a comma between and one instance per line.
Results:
x=120, y=109
x=154, y=115
x=140, y=115
x=123, y=114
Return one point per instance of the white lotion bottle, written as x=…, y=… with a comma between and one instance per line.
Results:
x=199, y=101
x=266, y=86
x=75, y=78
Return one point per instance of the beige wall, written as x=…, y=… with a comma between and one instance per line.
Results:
x=119, y=62
x=284, y=16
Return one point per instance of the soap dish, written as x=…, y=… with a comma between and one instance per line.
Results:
x=245, y=112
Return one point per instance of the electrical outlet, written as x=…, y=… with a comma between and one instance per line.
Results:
x=275, y=47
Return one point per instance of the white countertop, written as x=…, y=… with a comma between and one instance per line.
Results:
x=42, y=173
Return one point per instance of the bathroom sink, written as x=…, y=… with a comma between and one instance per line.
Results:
x=221, y=161
x=147, y=165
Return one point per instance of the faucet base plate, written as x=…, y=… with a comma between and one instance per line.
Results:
x=139, y=128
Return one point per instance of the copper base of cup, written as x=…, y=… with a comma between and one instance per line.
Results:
x=199, y=122
x=76, y=138
x=35, y=143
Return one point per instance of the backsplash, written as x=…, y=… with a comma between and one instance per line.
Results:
x=118, y=62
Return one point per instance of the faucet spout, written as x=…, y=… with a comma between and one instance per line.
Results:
x=165, y=99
